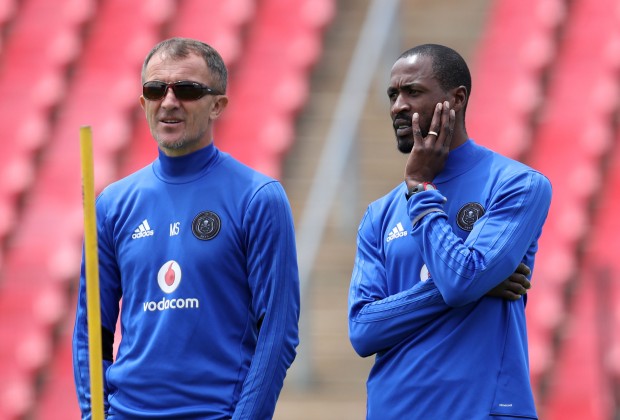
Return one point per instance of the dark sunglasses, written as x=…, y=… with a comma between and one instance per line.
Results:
x=184, y=90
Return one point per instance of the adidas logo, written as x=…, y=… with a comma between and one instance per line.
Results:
x=143, y=230
x=397, y=232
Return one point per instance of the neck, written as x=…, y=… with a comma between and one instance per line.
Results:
x=459, y=136
x=458, y=139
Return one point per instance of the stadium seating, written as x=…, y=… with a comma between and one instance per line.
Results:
x=285, y=41
x=509, y=83
x=220, y=24
x=572, y=138
x=543, y=94
x=591, y=343
x=519, y=45
x=545, y=91
x=32, y=76
x=44, y=253
x=8, y=9
x=32, y=80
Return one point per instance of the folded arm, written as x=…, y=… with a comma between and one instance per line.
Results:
x=466, y=270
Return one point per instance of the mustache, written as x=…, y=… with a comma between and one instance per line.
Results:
x=401, y=118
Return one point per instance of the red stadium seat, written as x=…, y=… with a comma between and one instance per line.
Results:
x=572, y=141
x=217, y=23
x=284, y=42
x=517, y=49
x=33, y=79
x=44, y=252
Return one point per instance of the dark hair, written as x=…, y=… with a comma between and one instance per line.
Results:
x=449, y=67
x=183, y=47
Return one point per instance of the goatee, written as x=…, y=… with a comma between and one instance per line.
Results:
x=404, y=145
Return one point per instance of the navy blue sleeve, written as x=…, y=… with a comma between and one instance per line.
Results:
x=378, y=321
x=110, y=290
x=274, y=282
x=466, y=270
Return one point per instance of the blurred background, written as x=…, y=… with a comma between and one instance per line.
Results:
x=308, y=106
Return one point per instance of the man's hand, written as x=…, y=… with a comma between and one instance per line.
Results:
x=514, y=286
x=428, y=156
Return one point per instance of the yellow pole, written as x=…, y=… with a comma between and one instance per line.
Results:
x=93, y=308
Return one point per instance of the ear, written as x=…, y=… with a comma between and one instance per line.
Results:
x=460, y=98
x=218, y=107
x=142, y=101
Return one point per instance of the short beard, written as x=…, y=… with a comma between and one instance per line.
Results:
x=404, y=145
x=184, y=143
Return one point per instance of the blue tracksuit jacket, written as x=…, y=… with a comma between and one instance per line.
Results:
x=417, y=299
x=201, y=251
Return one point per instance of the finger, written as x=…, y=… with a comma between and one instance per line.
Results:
x=435, y=127
x=512, y=296
x=510, y=291
x=514, y=289
x=451, y=122
x=518, y=288
x=415, y=128
x=521, y=274
x=447, y=126
x=516, y=278
x=523, y=269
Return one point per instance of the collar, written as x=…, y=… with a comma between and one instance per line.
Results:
x=187, y=168
x=461, y=160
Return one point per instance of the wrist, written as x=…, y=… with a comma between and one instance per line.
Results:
x=411, y=180
x=416, y=188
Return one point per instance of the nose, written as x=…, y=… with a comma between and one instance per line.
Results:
x=399, y=105
x=169, y=100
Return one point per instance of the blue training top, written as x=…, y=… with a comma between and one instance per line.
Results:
x=417, y=299
x=201, y=249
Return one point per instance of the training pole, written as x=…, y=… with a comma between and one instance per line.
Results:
x=93, y=308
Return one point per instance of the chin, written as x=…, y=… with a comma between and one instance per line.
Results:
x=171, y=142
x=404, y=144
x=172, y=145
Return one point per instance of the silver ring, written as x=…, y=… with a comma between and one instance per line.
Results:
x=433, y=133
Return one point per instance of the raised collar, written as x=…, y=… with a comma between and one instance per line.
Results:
x=461, y=160
x=187, y=168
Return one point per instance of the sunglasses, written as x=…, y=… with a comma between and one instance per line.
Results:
x=184, y=90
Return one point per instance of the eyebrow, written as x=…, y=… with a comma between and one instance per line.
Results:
x=392, y=89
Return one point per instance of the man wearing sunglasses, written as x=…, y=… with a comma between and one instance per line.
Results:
x=201, y=250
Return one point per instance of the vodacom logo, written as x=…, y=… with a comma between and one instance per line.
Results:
x=169, y=276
